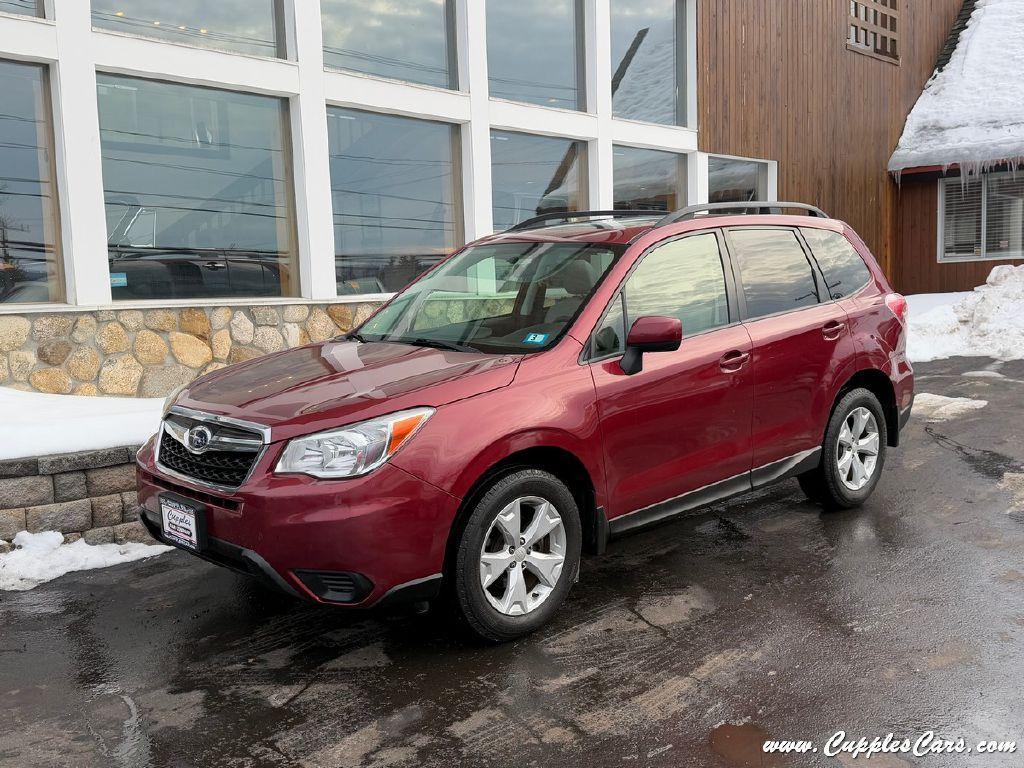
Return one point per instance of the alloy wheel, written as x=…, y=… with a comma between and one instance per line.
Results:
x=857, y=448
x=522, y=556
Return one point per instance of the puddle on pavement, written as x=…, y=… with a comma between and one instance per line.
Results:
x=986, y=463
x=741, y=746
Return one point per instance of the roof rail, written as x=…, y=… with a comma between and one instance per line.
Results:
x=537, y=221
x=691, y=211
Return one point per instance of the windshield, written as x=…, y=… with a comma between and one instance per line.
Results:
x=500, y=298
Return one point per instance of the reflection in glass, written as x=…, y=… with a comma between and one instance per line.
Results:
x=197, y=185
x=733, y=181
x=646, y=62
x=394, y=198
x=29, y=258
x=844, y=270
x=531, y=52
x=685, y=279
x=774, y=272
x=404, y=41
x=531, y=175
x=22, y=7
x=647, y=179
x=242, y=26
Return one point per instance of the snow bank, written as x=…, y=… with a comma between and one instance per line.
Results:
x=985, y=322
x=34, y=424
x=941, y=408
x=972, y=112
x=41, y=557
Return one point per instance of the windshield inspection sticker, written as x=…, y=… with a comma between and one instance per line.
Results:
x=536, y=338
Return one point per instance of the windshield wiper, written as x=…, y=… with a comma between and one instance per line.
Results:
x=436, y=344
x=355, y=336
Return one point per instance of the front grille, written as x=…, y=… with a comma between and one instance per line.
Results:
x=224, y=468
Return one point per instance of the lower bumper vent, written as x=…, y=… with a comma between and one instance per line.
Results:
x=336, y=586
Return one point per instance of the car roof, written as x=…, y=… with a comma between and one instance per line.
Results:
x=612, y=231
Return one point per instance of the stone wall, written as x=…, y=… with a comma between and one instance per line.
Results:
x=89, y=494
x=149, y=352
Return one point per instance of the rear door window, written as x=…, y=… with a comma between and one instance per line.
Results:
x=844, y=270
x=774, y=273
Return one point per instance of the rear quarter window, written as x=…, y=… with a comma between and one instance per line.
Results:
x=844, y=270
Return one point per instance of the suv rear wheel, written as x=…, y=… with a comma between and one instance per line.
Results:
x=518, y=555
x=852, y=455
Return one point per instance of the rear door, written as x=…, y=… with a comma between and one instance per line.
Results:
x=801, y=341
x=683, y=422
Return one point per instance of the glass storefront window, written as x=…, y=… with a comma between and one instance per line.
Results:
x=240, y=26
x=533, y=52
x=29, y=253
x=732, y=181
x=395, y=199
x=407, y=41
x=198, y=191
x=531, y=175
x=647, y=62
x=647, y=179
x=22, y=7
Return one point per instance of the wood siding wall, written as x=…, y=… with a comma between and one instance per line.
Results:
x=776, y=81
x=917, y=268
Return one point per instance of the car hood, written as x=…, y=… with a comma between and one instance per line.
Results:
x=321, y=386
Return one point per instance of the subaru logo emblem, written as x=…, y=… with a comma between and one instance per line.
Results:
x=198, y=439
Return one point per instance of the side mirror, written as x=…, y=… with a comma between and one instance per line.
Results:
x=653, y=333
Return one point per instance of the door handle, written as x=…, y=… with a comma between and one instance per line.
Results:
x=733, y=361
x=832, y=329
x=214, y=265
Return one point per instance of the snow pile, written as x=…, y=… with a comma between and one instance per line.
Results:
x=41, y=557
x=942, y=408
x=34, y=424
x=985, y=322
x=972, y=112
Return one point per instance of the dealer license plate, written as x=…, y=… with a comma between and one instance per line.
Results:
x=180, y=522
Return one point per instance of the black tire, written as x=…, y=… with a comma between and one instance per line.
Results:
x=470, y=602
x=823, y=484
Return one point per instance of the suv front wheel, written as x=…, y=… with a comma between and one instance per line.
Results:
x=518, y=555
x=853, y=453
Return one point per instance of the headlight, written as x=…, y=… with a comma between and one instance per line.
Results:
x=169, y=400
x=353, y=450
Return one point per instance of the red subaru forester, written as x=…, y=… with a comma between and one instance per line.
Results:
x=539, y=391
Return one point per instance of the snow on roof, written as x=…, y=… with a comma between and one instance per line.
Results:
x=971, y=112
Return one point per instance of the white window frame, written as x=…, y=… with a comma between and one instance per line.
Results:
x=66, y=42
x=940, y=238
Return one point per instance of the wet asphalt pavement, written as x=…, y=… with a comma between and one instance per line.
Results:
x=687, y=645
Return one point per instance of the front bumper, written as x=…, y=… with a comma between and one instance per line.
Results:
x=348, y=542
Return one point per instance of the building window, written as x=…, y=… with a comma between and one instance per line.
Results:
x=873, y=29
x=395, y=199
x=239, y=26
x=412, y=40
x=23, y=7
x=198, y=191
x=531, y=175
x=647, y=62
x=982, y=218
x=534, y=51
x=647, y=179
x=29, y=254
x=733, y=180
